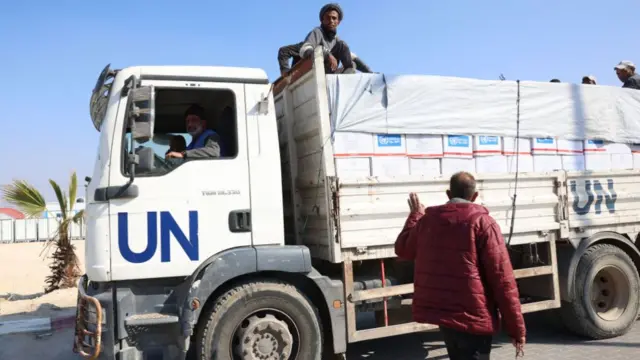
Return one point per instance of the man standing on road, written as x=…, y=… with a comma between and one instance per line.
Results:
x=335, y=51
x=463, y=278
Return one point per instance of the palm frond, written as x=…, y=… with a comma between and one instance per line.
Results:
x=25, y=197
x=73, y=190
x=78, y=217
x=62, y=199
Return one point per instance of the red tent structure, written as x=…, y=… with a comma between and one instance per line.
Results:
x=11, y=213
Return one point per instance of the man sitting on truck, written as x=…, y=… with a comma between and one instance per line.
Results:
x=205, y=143
x=463, y=275
x=626, y=71
x=293, y=52
x=335, y=51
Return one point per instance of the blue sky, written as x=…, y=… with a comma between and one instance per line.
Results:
x=52, y=53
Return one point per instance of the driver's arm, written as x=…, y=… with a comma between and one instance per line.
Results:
x=211, y=149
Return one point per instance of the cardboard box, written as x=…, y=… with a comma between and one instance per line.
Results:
x=635, y=151
x=600, y=146
x=544, y=146
x=491, y=164
x=457, y=146
x=390, y=166
x=621, y=161
x=510, y=143
x=352, y=144
x=546, y=163
x=423, y=166
x=636, y=160
x=573, y=162
x=353, y=167
x=487, y=145
x=428, y=146
x=570, y=147
x=389, y=144
x=524, y=163
x=451, y=166
x=597, y=161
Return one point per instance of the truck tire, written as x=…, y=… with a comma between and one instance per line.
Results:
x=260, y=320
x=606, y=299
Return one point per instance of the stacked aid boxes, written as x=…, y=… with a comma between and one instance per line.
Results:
x=395, y=155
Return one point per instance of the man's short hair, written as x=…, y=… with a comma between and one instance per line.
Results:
x=555, y=80
x=462, y=185
x=195, y=109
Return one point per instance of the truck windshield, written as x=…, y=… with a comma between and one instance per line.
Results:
x=100, y=96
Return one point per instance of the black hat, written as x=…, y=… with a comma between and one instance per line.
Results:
x=195, y=109
x=329, y=7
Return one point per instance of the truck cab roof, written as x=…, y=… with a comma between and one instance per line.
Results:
x=200, y=73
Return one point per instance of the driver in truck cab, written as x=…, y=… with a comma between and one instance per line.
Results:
x=205, y=143
x=335, y=51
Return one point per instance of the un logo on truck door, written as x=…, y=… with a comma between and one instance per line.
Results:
x=168, y=227
x=592, y=193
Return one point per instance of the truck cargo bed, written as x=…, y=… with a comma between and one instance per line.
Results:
x=343, y=212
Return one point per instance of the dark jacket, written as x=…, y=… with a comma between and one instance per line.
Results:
x=633, y=82
x=463, y=274
x=293, y=52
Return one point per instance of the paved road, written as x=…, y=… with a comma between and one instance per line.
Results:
x=546, y=342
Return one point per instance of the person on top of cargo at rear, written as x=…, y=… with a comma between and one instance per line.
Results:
x=626, y=71
x=335, y=51
x=463, y=278
x=589, y=80
x=205, y=143
x=293, y=52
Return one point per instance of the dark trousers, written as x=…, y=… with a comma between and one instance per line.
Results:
x=465, y=346
x=342, y=53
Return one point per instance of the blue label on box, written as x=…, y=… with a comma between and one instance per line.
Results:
x=458, y=141
x=489, y=140
x=389, y=140
x=595, y=142
x=548, y=141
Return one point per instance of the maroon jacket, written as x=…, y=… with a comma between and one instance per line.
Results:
x=463, y=274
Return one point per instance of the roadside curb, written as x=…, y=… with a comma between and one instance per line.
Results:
x=36, y=325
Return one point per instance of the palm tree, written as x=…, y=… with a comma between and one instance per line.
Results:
x=64, y=267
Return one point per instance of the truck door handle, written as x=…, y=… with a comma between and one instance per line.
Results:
x=240, y=221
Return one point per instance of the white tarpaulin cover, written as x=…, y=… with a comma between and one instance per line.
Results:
x=417, y=104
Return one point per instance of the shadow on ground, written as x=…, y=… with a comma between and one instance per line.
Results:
x=542, y=328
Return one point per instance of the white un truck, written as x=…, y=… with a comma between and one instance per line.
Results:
x=276, y=248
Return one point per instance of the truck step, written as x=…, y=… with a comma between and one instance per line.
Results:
x=150, y=319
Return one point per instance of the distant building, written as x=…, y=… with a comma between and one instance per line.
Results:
x=53, y=209
x=10, y=214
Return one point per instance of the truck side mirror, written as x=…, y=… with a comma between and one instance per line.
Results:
x=145, y=159
x=142, y=114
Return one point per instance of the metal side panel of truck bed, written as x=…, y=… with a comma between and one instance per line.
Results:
x=603, y=201
x=373, y=210
x=306, y=152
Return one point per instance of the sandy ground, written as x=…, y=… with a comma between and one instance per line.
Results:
x=23, y=268
x=23, y=271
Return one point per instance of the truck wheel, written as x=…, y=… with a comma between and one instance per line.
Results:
x=260, y=320
x=606, y=298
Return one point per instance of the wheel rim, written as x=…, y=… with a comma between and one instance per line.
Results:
x=609, y=293
x=265, y=335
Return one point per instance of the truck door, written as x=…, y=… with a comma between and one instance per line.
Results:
x=186, y=212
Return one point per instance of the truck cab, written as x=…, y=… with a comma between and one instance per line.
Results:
x=152, y=217
x=165, y=234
